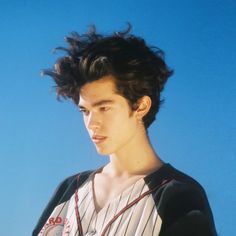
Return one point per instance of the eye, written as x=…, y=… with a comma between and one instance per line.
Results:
x=84, y=111
x=105, y=108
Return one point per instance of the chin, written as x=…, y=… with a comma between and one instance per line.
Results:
x=104, y=151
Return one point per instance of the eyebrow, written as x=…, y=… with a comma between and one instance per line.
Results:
x=99, y=103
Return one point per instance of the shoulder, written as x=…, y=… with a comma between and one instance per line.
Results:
x=70, y=183
x=181, y=203
x=63, y=193
x=174, y=182
x=66, y=188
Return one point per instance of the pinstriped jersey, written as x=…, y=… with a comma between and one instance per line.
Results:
x=166, y=202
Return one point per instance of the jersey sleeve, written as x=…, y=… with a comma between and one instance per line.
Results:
x=57, y=197
x=185, y=211
x=63, y=193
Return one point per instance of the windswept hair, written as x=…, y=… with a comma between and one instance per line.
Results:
x=138, y=69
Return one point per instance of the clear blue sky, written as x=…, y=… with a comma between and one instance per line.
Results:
x=43, y=141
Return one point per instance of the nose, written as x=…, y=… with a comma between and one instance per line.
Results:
x=93, y=122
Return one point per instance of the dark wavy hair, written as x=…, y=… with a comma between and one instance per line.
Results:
x=138, y=69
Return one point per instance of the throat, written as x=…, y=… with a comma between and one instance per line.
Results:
x=139, y=160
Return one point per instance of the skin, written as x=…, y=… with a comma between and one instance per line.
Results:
x=119, y=133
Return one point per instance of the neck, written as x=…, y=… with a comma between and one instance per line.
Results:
x=136, y=158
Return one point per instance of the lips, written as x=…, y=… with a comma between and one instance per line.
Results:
x=98, y=139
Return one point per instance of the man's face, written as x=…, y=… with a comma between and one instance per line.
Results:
x=107, y=116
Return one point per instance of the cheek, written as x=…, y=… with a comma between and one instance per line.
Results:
x=123, y=125
x=85, y=122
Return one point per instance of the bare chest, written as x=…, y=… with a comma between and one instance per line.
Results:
x=106, y=190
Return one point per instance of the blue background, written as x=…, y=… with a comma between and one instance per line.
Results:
x=43, y=141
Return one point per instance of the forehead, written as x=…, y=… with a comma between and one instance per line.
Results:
x=103, y=88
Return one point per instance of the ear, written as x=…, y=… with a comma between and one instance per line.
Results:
x=143, y=106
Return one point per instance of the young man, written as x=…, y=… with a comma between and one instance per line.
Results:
x=116, y=82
